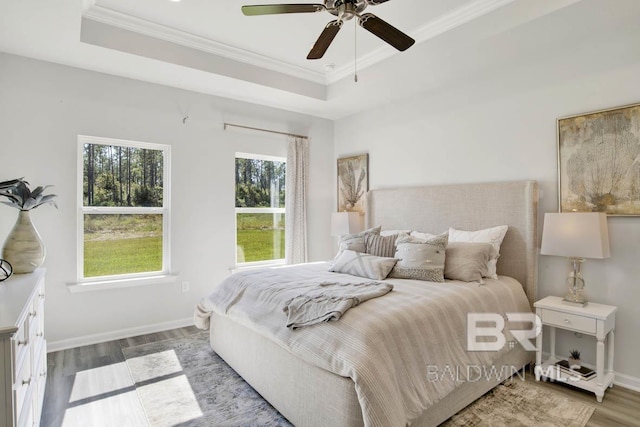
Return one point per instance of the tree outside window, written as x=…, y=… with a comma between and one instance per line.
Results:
x=125, y=209
x=260, y=211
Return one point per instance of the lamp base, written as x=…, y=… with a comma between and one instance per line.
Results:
x=575, y=284
x=568, y=301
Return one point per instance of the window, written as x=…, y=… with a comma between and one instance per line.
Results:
x=124, y=209
x=260, y=213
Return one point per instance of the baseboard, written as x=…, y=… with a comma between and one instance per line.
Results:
x=116, y=335
x=627, y=381
x=623, y=380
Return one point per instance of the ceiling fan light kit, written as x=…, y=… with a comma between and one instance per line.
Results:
x=344, y=10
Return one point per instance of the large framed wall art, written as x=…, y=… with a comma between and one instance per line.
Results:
x=599, y=161
x=353, y=183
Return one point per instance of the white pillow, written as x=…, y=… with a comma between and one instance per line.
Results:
x=386, y=233
x=493, y=235
x=424, y=236
x=363, y=265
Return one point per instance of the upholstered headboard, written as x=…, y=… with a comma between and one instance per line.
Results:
x=435, y=208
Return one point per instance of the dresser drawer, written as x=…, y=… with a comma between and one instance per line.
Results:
x=35, y=310
x=569, y=321
x=36, y=322
x=20, y=344
x=21, y=387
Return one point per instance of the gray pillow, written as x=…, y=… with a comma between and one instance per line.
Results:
x=420, y=259
x=355, y=242
x=362, y=265
x=377, y=245
x=468, y=261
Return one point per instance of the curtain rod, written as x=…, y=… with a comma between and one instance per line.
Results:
x=263, y=130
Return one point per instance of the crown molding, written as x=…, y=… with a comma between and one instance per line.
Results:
x=87, y=4
x=131, y=23
x=430, y=30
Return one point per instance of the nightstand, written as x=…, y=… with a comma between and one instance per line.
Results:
x=598, y=320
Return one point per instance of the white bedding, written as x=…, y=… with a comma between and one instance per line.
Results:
x=388, y=345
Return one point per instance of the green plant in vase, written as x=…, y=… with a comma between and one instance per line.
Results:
x=24, y=248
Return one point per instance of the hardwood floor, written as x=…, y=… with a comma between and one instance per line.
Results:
x=620, y=406
x=91, y=386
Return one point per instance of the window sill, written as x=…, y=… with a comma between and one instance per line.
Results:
x=259, y=264
x=121, y=283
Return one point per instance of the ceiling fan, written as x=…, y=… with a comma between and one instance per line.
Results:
x=344, y=10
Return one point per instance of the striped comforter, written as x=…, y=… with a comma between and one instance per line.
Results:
x=389, y=346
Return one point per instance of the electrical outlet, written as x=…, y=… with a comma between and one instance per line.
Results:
x=185, y=286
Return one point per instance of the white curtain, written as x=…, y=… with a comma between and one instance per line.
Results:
x=296, y=200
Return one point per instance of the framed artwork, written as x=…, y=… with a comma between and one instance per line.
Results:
x=599, y=161
x=353, y=183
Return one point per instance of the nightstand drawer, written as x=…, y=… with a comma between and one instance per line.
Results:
x=569, y=321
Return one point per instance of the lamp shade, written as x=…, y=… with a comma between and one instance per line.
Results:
x=345, y=223
x=575, y=235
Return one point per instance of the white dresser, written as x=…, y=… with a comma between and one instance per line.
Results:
x=23, y=349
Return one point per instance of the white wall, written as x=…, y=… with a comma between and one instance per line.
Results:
x=43, y=108
x=501, y=125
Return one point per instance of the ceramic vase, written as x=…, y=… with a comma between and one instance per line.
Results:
x=574, y=363
x=24, y=248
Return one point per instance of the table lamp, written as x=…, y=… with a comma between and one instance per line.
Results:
x=345, y=223
x=576, y=236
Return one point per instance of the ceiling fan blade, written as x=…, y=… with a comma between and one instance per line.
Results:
x=322, y=44
x=386, y=32
x=271, y=9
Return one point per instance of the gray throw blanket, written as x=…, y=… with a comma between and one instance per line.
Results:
x=329, y=301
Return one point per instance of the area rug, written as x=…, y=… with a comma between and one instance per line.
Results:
x=518, y=403
x=182, y=382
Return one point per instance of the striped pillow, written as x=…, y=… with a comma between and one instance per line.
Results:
x=363, y=265
x=384, y=246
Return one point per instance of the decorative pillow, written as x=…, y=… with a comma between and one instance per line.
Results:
x=420, y=259
x=384, y=246
x=424, y=236
x=394, y=232
x=468, y=261
x=493, y=235
x=363, y=265
x=355, y=242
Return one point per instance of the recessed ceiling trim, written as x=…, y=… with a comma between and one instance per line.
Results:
x=430, y=30
x=128, y=22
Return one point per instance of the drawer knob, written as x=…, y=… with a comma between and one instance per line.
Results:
x=40, y=334
x=44, y=374
x=41, y=295
x=26, y=382
x=33, y=313
x=25, y=342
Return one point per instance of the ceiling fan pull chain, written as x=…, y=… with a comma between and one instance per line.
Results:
x=355, y=51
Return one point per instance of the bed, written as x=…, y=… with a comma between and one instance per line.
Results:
x=311, y=393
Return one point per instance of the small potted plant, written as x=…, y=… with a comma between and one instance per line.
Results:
x=574, y=359
x=24, y=248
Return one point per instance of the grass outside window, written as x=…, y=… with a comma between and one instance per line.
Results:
x=260, y=236
x=122, y=244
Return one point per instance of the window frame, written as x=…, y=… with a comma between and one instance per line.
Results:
x=270, y=210
x=165, y=210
